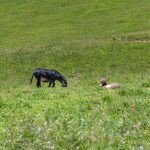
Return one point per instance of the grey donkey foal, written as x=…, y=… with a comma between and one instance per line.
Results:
x=103, y=83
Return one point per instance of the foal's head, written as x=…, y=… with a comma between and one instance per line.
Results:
x=103, y=81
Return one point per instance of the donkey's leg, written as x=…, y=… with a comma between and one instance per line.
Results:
x=50, y=83
x=38, y=84
x=53, y=84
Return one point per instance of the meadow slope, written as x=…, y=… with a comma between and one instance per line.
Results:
x=84, y=40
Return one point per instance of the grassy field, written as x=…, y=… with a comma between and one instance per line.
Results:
x=84, y=40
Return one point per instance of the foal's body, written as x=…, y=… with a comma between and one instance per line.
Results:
x=103, y=83
x=112, y=86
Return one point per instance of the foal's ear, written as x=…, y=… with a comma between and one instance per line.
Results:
x=103, y=79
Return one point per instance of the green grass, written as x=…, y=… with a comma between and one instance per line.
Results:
x=29, y=23
x=84, y=40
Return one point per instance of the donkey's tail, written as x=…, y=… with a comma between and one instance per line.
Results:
x=31, y=79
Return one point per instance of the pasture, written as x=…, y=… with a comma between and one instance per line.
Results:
x=84, y=40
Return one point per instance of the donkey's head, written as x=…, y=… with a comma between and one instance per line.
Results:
x=64, y=83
